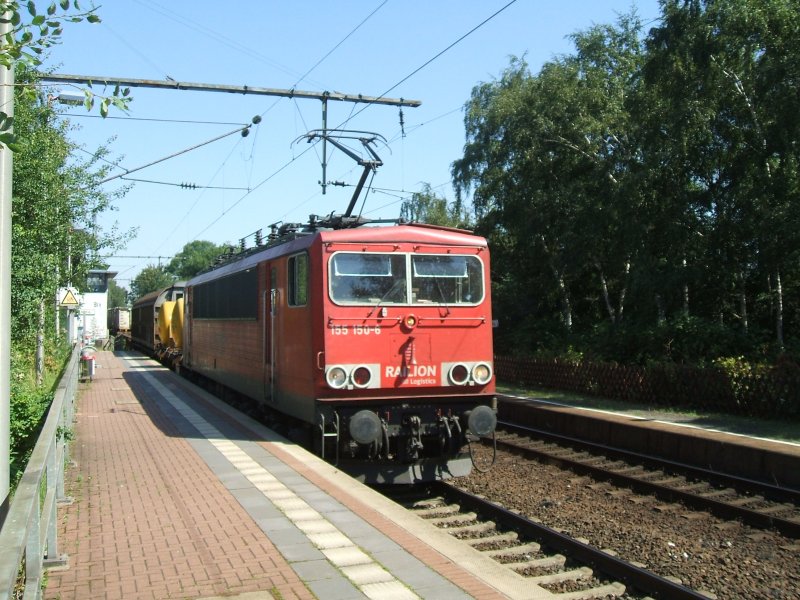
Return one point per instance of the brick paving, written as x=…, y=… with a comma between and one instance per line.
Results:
x=149, y=520
x=418, y=548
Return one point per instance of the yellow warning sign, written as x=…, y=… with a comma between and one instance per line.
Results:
x=69, y=300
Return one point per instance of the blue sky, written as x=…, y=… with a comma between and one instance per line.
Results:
x=354, y=47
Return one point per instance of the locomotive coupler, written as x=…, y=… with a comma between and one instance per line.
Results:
x=445, y=435
x=385, y=431
x=458, y=440
x=414, y=445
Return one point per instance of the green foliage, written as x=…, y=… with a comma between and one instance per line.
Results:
x=150, y=279
x=641, y=195
x=194, y=258
x=31, y=33
x=427, y=207
x=30, y=402
x=117, y=296
x=732, y=386
x=55, y=194
x=54, y=208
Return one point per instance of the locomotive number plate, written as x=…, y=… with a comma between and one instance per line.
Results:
x=355, y=329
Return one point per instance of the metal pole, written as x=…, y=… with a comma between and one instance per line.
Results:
x=324, y=144
x=95, y=80
x=7, y=106
x=236, y=89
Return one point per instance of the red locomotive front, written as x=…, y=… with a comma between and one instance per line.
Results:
x=407, y=341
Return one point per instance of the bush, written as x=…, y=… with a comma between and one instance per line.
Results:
x=29, y=402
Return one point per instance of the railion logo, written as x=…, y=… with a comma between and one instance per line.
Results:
x=408, y=371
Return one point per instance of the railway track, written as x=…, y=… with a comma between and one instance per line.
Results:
x=569, y=568
x=754, y=503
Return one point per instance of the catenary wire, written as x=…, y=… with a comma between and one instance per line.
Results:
x=429, y=61
x=356, y=113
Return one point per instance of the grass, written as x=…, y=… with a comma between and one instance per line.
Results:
x=787, y=431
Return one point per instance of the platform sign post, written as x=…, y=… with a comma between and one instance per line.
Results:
x=70, y=299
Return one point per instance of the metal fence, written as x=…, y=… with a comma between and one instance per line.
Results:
x=760, y=393
x=29, y=537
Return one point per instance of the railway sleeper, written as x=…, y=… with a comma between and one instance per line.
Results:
x=562, y=576
x=629, y=470
x=694, y=487
x=593, y=461
x=777, y=509
x=671, y=481
x=557, y=561
x=744, y=501
x=473, y=528
x=566, y=453
x=613, y=590
x=509, y=536
x=454, y=518
x=718, y=493
x=428, y=513
x=428, y=503
x=522, y=549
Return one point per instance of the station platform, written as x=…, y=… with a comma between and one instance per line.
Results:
x=177, y=495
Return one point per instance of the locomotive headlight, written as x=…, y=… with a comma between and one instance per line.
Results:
x=459, y=374
x=481, y=373
x=481, y=421
x=336, y=377
x=410, y=321
x=365, y=427
x=361, y=376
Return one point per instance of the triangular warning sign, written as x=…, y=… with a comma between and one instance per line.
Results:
x=69, y=300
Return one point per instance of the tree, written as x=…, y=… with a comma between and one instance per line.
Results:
x=193, y=258
x=646, y=188
x=117, y=296
x=549, y=158
x=428, y=207
x=726, y=78
x=30, y=34
x=53, y=194
x=150, y=279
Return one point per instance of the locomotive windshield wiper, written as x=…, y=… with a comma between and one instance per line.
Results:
x=441, y=293
x=395, y=285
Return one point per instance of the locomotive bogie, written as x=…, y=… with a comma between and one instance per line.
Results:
x=390, y=437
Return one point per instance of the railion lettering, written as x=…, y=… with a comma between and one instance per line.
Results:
x=406, y=371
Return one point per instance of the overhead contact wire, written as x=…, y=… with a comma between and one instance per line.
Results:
x=429, y=61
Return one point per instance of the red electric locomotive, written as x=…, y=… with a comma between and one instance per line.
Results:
x=377, y=339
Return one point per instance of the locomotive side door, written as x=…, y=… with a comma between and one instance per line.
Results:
x=270, y=303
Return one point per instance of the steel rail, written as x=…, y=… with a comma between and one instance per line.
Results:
x=633, y=576
x=774, y=492
x=720, y=508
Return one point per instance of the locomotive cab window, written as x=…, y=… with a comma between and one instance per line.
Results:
x=449, y=279
x=298, y=279
x=360, y=278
